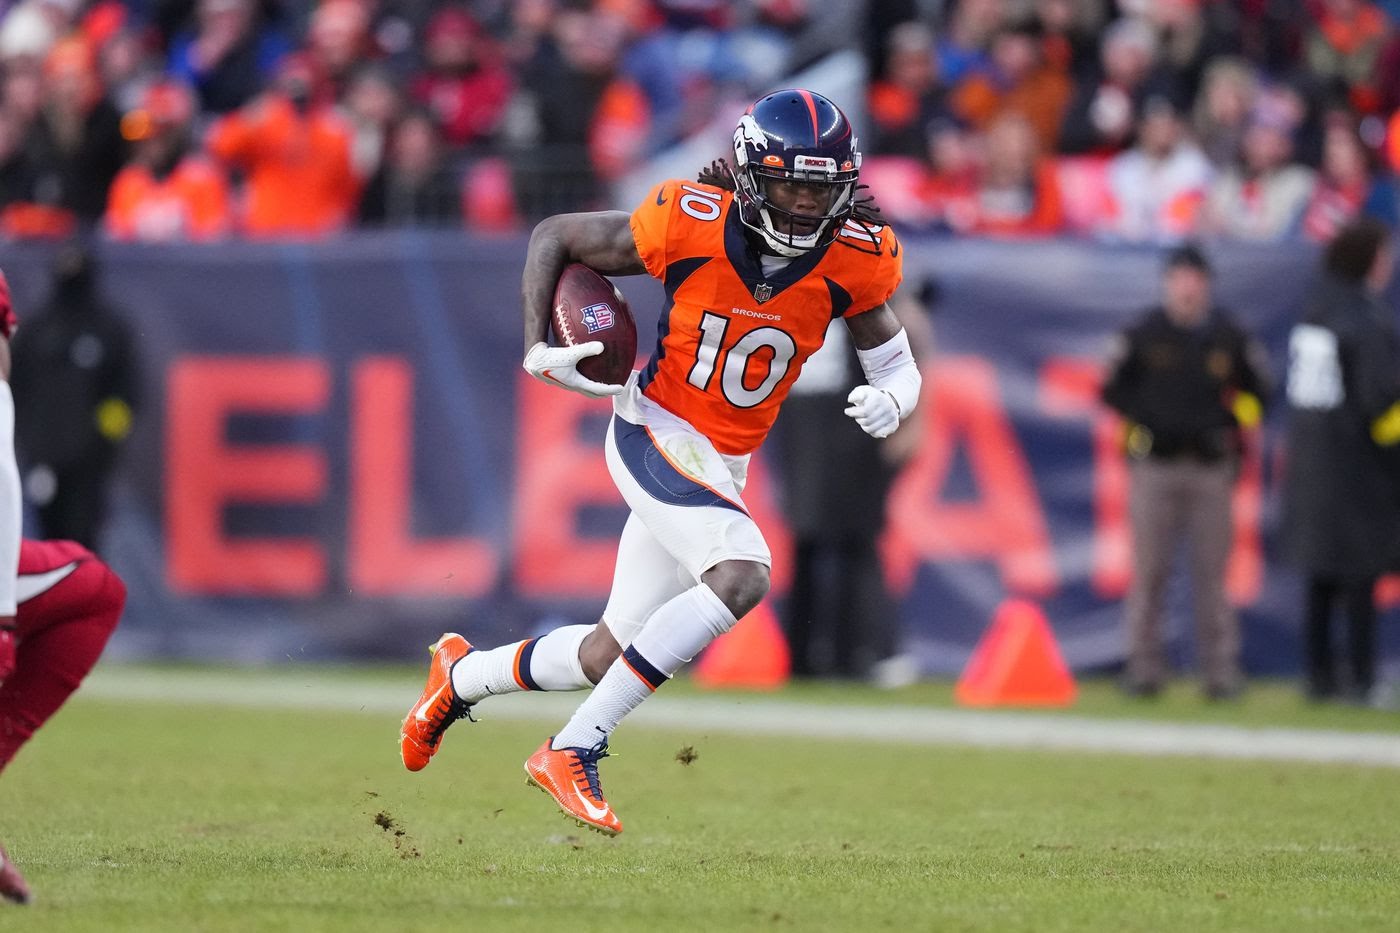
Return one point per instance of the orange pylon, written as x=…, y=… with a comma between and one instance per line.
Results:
x=1017, y=662
x=753, y=655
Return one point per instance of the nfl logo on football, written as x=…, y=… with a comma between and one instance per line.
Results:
x=597, y=317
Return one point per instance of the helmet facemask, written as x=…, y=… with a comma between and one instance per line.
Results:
x=789, y=232
x=785, y=232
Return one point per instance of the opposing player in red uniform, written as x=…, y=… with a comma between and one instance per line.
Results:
x=58, y=606
x=756, y=259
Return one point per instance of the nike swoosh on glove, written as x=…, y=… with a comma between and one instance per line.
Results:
x=559, y=366
x=874, y=410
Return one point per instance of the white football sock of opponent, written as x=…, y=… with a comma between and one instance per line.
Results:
x=550, y=662
x=674, y=634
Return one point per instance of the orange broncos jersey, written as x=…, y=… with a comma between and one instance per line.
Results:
x=732, y=339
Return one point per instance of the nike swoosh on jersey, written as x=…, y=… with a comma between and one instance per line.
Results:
x=596, y=813
x=660, y=197
x=894, y=249
x=29, y=585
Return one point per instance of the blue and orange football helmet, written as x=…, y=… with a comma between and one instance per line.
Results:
x=794, y=135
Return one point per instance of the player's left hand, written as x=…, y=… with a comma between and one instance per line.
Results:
x=874, y=410
x=7, y=647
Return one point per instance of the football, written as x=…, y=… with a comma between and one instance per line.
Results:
x=587, y=306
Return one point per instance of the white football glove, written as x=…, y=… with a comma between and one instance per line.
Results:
x=559, y=366
x=874, y=410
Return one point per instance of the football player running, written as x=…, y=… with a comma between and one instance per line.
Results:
x=756, y=259
x=58, y=606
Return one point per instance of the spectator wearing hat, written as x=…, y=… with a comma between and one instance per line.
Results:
x=166, y=192
x=1159, y=185
x=27, y=33
x=1263, y=197
x=1187, y=381
x=465, y=85
x=295, y=155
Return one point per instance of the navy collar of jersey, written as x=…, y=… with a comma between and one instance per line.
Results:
x=746, y=262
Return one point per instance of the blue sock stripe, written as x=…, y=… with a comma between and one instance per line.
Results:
x=526, y=651
x=644, y=668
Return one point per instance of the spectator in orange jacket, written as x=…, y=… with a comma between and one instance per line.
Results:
x=295, y=156
x=166, y=192
x=909, y=95
x=1018, y=194
x=1017, y=78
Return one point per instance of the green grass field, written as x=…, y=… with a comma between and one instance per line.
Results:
x=149, y=815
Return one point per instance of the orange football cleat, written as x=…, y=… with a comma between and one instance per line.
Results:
x=438, y=707
x=570, y=776
x=12, y=886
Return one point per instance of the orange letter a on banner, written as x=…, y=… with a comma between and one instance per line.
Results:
x=1005, y=523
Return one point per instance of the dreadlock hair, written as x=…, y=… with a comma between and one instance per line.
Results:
x=718, y=175
x=864, y=210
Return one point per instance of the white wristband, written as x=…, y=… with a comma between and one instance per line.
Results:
x=891, y=367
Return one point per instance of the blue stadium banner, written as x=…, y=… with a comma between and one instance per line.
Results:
x=338, y=455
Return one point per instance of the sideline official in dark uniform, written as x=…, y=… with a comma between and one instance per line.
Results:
x=74, y=381
x=1186, y=379
x=1342, y=487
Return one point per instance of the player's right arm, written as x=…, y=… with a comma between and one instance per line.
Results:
x=602, y=241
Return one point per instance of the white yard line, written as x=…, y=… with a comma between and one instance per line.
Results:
x=310, y=690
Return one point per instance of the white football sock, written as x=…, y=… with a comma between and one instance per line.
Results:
x=682, y=627
x=673, y=635
x=550, y=662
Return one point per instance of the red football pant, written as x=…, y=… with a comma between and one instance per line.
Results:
x=69, y=604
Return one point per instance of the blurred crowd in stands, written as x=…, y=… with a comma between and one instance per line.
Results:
x=1147, y=121
x=1129, y=120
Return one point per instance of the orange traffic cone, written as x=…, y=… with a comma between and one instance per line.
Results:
x=1017, y=663
x=753, y=655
